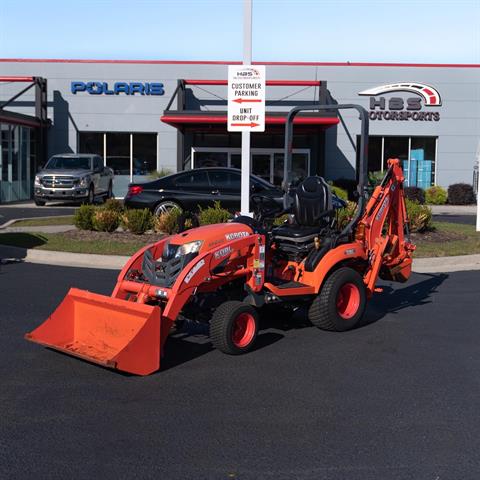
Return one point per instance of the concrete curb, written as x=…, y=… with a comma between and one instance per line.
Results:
x=64, y=259
x=14, y=220
x=116, y=262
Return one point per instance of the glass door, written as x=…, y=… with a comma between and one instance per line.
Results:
x=261, y=165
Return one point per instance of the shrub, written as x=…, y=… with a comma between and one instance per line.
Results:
x=281, y=220
x=415, y=194
x=114, y=205
x=375, y=178
x=105, y=220
x=436, y=196
x=461, y=194
x=344, y=215
x=163, y=172
x=167, y=222
x=419, y=216
x=339, y=192
x=137, y=221
x=83, y=218
x=215, y=214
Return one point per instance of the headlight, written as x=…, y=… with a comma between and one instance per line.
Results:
x=85, y=181
x=37, y=179
x=185, y=249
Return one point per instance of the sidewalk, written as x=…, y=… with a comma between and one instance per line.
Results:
x=454, y=209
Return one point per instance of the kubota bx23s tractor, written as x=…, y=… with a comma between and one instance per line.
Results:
x=227, y=274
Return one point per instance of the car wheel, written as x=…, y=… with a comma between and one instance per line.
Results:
x=165, y=207
x=39, y=203
x=90, y=200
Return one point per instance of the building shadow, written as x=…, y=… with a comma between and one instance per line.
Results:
x=59, y=141
x=335, y=159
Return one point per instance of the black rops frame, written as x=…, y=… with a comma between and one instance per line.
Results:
x=363, y=157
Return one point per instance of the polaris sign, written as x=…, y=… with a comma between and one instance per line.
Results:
x=102, y=88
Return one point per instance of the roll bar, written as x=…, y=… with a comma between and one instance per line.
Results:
x=363, y=160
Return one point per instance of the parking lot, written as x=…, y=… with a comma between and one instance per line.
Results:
x=395, y=399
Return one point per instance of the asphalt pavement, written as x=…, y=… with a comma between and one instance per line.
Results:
x=29, y=210
x=398, y=398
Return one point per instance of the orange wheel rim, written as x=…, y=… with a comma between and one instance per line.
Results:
x=243, y=330
x=348, y=300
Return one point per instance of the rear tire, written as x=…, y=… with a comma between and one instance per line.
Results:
x=165, y=207
x=234, y=327
x=40, y=203
x=341, y=302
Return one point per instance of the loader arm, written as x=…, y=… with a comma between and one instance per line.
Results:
x=384, y=230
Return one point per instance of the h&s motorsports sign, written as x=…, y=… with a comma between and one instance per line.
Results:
x=401, y=108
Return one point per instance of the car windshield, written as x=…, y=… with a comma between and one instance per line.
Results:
x=69, y=163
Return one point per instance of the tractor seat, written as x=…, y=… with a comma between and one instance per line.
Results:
x=312, y=204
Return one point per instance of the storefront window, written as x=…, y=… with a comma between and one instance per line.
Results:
x=132, y=156
x=395, y=147
x=211, y=159
x=416, y=153
x=265, y=163
x=91, y=142
x=144, y=153
x=420, y=170
x=15, y=161
x=15, y=146
x=5, y=149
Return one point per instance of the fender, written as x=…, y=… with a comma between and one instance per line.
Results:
x=337, y=256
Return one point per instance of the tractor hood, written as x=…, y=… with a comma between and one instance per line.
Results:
x=211, y=236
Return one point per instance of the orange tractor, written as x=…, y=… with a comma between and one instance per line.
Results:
x=226, y=274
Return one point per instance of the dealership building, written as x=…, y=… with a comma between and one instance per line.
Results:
x=143, y=116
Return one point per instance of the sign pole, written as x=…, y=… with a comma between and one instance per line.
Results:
x=247, y=60
x=478, y=192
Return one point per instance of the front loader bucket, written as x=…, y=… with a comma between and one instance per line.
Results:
x=111, y=332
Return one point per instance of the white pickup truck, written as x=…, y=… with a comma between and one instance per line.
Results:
x=73, y=177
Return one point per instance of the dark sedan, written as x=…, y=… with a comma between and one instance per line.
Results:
x=196, y=188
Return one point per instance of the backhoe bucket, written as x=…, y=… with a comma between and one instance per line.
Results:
x=111, y=332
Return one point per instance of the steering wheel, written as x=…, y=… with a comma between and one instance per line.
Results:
x=265, y=205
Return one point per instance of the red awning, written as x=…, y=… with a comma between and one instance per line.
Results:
x=184, y=119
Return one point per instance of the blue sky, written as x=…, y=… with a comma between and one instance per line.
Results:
x=283, y=30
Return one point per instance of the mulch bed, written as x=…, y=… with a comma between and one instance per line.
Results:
x=436, y=236
x=119, y=237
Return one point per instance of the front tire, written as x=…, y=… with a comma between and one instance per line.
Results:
x=234, y=327
x=90, y=200
x=109, y=191
x=341, y=302
x=39, y=203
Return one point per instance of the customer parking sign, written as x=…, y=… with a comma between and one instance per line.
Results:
x=246, y=98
